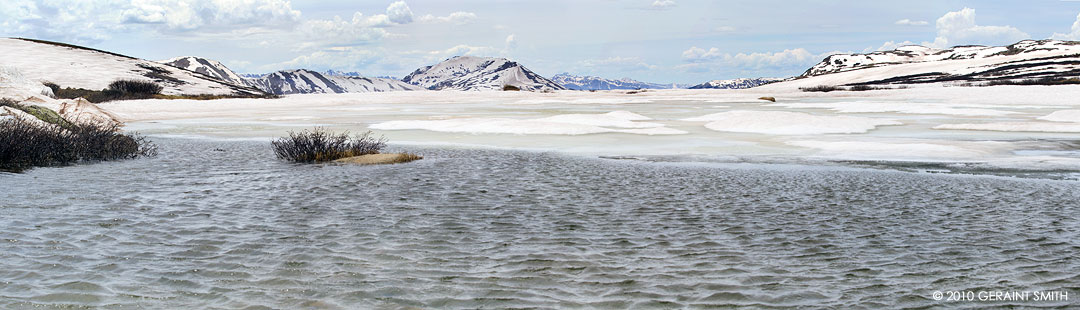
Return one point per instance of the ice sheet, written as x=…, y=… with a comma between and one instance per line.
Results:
x=788, y=123
x=1072, y=116
x=565, y=124
x=897, y=107
x=1016, y=127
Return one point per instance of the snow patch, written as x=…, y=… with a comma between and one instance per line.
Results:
x=788, y=123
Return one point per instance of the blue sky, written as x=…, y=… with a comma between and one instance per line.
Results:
x=651, y=40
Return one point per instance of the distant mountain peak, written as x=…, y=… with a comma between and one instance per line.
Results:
x=295, y=81
x=589, y=82
x=740, y=83
x=478, y=73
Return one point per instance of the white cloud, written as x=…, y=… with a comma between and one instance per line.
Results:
x=338, y=58
x=663, y=4
x=618, y=62
x=888, y=46
x=1074, y=35
x=511, y=42
x=725, y=29
x=399, y=12
x=908, y=22
x=459, y=18
x=706, y=60
x=958, y=28
x=210, y=15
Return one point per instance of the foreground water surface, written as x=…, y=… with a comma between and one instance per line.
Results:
x=211, y=224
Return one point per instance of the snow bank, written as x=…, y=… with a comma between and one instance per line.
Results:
x=1071, y=116
x=565, y=124
x=895, y=107
x=80, y=110
x=15, y=86
x=788, y=123
x=1015, y=126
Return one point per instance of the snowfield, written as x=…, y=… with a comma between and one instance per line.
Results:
x=1019, y=127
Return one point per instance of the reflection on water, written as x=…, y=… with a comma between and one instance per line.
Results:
x=235, y=228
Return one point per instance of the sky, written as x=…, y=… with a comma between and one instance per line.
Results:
x=669, y=41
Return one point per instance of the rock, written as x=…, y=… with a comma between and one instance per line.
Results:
x=379, y=159
x=9, y=112
x=79, y=110
x=768, y=99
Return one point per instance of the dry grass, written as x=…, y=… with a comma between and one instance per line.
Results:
x=380, y=159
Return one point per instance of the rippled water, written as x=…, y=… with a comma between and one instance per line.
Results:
x=224, y=225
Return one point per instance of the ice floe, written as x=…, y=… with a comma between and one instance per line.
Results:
x=1015, y=126
x=895, y=107
x=563, y=124
x=788, y=123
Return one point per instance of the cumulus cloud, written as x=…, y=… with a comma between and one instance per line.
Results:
x=399, y=12
x=960, y=28
x=957, y=28
x=712, y=59
x=210, y=15
x=337, y=58
x=663, y=4
x=908, y=22
x=459, y=18
x=1074, y=35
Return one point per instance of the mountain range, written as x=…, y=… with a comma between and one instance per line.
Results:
x=736, y=83
x=479, y=73
x=576, y=82
x=71, y=66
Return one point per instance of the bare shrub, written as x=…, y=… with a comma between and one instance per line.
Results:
x=319, y=145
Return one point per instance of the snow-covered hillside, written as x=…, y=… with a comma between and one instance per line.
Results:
x=576, y=82
x=1024, y=60
x=292, y=81
x=309, y=82
x=208, y=67
x=79, y=67
x=742, y=83
x=479, y=73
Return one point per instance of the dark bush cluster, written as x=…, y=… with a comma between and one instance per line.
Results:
x=118, y=90
x=319, y=145
x=1047, y=81
x=821, y=88
x=29, y=144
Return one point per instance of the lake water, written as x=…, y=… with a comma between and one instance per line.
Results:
x=223, y=224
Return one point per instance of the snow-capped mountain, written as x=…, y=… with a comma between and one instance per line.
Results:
x=742, y=83
x=1028, y=59
x=209, y=68
x=308, y=82
x=479, y=73
x=575, y=82
x=72, y=66
x=292, y=81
